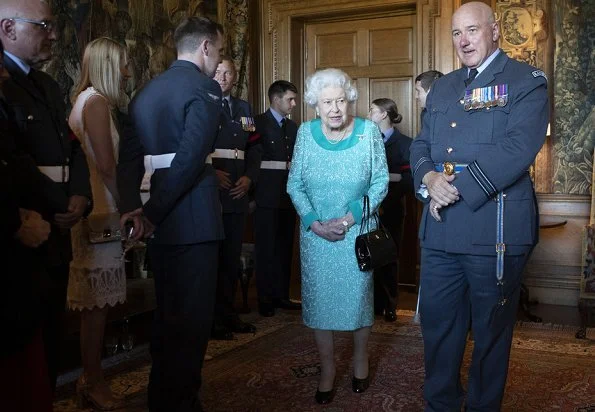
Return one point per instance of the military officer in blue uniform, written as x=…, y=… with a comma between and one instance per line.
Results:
x=176, y=118
x=485, y=124
x=274, y=220
x=38, y=106
x=236, y=160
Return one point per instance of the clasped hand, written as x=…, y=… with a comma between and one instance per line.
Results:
x=237, y=190
x=333, y=229
x=442, y=192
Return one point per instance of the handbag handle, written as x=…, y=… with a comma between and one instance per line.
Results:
x=366, y=217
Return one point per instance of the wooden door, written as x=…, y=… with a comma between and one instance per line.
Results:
x=378, y=53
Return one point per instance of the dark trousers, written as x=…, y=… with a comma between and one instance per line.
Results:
x=386, y=278
x=230, y=251
x=52, y=324
x=273, y=232
x=24, y=384
x=185, y=283
x=456, y=290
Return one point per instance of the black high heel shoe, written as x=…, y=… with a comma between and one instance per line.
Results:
x=360, y=385
x=324, y=397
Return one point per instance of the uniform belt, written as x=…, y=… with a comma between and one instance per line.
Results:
x=394, y=177
x=153, y=163
x=59, y=174
x=450, y=168
x=275, y=165
x=228, y=154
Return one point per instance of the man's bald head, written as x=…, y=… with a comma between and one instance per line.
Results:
x=475, y=33
x=27, y=29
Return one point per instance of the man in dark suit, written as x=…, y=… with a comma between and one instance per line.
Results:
x=176, y=115
x=27, y=30
x=274, y=220
x=485, y=124
x=236, y=160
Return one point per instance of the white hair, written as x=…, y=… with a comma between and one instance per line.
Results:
x=322, y=79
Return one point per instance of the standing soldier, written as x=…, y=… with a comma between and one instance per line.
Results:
x=39, y=108
x=484, y=126
x=236, y=160
x=275, y=216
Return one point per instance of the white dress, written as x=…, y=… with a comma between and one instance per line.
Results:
x=97, y=276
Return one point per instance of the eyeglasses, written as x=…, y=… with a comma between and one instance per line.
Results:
x=47, y=25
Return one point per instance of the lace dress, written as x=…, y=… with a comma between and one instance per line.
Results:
x=97, y=276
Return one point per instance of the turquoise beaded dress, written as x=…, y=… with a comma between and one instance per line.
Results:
x=326, y=181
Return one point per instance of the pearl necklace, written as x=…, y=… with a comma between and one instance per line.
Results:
x=334, y=141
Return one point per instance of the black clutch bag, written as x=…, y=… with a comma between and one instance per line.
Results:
x=376, y=248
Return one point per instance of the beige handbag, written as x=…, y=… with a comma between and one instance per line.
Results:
x=104, y=227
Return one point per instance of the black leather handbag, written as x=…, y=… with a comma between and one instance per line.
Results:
x=376, y=248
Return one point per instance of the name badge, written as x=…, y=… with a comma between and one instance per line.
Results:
x=248, y=124
x=486, y=97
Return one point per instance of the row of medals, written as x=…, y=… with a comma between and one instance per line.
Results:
x=486, y=97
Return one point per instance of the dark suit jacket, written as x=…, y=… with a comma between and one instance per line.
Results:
x=235, y=135
x=22, y=185
x=498, y=144
x=130, y=168
x=397, y=158
x=271, y=189
x=41, y=118
x=178, y=112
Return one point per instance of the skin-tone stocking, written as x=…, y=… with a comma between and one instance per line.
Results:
x=326, y=350
x=92, y=332
x=360, y=352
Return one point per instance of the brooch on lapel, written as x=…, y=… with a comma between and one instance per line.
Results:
x=486, y=97
x=248, y=124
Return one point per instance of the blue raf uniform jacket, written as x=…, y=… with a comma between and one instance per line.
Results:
x=178, y=112
x=236, y=133
x=271, y=190
x=498, y=145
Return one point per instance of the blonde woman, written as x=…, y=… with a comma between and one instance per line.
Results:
x=97, y=277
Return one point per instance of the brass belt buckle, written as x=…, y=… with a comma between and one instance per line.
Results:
x=449, y=168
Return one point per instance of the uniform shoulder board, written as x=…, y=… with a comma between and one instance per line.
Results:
x=539, y=73
x=214, y=97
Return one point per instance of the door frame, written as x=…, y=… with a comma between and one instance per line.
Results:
x=281, y=36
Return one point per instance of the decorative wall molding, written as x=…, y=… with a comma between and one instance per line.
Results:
x=523, y=30
x=554, y=269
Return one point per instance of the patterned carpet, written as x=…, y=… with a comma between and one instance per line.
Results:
x=277, y=370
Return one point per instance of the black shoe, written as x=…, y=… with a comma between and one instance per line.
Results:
x=360, y=385
x=239, y=326
x=287, y=304
x=324, y=397
x=266, y=309
x=220, y=332
x=390, y=315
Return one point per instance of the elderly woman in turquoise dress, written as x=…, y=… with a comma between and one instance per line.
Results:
x=337, y=160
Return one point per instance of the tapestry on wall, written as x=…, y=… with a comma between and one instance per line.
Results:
x=574, y=96
x=146, y=28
